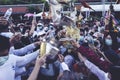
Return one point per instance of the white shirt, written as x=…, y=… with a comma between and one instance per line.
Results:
x=65, y=66
x=7, y=70
x=95, y=70
x=19, y=52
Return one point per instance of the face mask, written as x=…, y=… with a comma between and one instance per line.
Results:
x=3, y=60
x=90, y=41
x=81, y=41
x=40, y=27
x=51, y=27
x=108, y=42
x=46, y=30
x=81, y=38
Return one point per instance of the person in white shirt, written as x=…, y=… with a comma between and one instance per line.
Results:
x=9, y=62
x=20, y=52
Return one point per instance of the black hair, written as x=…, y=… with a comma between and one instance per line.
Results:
x=86, y=29
x=115, y=71
x=17, y=29
x=3, y=25
x=4, y=43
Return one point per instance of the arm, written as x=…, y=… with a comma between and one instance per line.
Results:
x=24, y=50
x=63, y=65
x=39, y=63
x=33, y=26
x=90, y=55
x=24, y=60
x=93, y=68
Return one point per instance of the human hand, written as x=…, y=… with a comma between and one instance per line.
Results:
x=37, y=43
x=74, y=43
x=34, y=20
x=81, y=57
x=40, y=60
x=60, y=57
x=15, y=38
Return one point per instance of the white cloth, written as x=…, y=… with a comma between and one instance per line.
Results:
x=69, y=60
x=55, y=6
x=22, y=51
x=7, y=70
x=7, y=34
x=64, y=66
x=95, y=70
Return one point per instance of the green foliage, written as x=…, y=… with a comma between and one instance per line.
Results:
x=5, y=2
x=46, y=6
x=32, y=9
x=10, y=2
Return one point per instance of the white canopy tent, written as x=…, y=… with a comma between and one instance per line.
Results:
x=100, y=7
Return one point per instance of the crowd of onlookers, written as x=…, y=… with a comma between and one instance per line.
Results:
x=89, y=50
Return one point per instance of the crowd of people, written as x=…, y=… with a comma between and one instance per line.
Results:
x=87, y=50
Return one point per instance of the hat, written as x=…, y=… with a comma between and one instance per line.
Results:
x=69, y=60
x=39, y=24
x=18, y=25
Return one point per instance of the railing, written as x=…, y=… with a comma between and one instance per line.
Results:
x=97, y=3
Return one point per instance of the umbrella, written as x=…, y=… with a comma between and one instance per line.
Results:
x=40, y=14
x=28, y=15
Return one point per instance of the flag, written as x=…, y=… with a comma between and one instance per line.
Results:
x=107, y=17
x=86, y=5
x=8, y=13
x=115, y=22
x=55, y=8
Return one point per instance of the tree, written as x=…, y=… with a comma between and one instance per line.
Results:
x=32, y=9
x=12, y=2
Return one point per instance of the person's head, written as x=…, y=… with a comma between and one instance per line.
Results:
x=4, y=46
x=40, y=26
x=3, y=25
x=67, y=75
